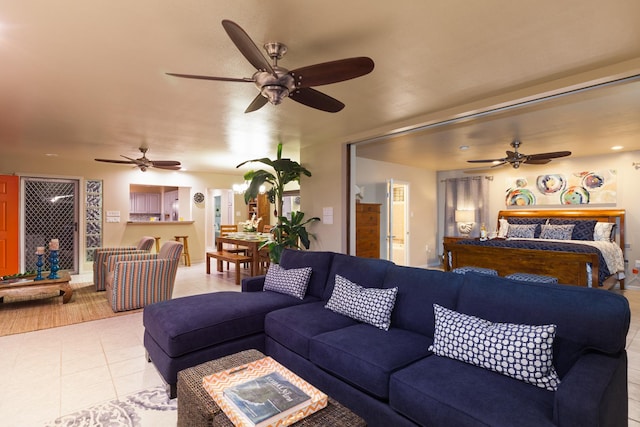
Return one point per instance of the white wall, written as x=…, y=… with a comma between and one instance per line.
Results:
x=627, y=190
x=372, y=175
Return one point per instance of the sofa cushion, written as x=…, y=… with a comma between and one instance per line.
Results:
x=355, y=354
x=320, y=263
x=418, y=290
x=293, y=327
x=602, y=328
x=369, y=272
x=292, y=282
x=183, y=325
x=369, y=305
x=523, y=352
x=445, y=392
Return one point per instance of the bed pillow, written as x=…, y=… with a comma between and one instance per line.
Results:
x=526, y=221
x=523, y=352
x=522, y=231
x=582, y=230
x=604, y=231
x=557, y=232
x=369, y=305
x=503, y=228
x=293, y=281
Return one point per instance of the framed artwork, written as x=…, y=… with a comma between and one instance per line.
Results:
x=580, y=188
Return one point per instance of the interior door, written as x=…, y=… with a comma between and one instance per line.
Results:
x=396, y=222
x=9, y=207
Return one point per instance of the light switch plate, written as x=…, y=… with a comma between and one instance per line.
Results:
x=113, y=219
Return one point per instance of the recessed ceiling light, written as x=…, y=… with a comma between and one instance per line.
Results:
x=463, y=147
x=51, y=155
x=617, y=147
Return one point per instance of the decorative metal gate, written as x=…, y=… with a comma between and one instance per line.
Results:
x=50, y=211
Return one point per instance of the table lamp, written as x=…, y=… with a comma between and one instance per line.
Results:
x=465, y=220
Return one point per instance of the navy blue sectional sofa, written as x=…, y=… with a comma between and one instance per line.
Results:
x=391, y=377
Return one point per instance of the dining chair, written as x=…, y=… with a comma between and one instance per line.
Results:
x=225, y=229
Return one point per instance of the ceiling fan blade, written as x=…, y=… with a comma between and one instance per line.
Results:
x=223, y=79
x=537, y=161
x=257, y=103
x=332, y=72
x=487, y=161
x=553, y=155
x=164, y=163
x=140, y=161
x=504, y=162
x=125, y=162
x=315, y=99
x=246, y=46
x=168, y=167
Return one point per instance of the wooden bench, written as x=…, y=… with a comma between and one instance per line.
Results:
x=229, y=257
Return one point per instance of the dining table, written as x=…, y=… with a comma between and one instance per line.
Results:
x=251, y=241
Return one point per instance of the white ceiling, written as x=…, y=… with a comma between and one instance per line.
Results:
x=86, y=79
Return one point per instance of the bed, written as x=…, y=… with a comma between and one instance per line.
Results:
x=572, y=262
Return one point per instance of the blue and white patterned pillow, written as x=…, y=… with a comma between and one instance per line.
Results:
x=558, y=232
x=603, y=231
x=522, y=231
x=523, y=352
x=582, y=230
x=369, y=305
x=292, y=282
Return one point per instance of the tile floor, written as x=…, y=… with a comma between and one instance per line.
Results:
x=57, y=371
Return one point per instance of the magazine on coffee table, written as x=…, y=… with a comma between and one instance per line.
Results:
x=263, y=393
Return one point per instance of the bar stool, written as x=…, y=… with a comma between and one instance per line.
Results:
x=157, y=244
x=185, y=249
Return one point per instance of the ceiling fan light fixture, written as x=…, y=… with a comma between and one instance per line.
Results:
x=274, y=93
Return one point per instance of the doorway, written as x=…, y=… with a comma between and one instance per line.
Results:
x=396, y=222
x=50, y=211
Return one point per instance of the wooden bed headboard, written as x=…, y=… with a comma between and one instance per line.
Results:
x=601, y=215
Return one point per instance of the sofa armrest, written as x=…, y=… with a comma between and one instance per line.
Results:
x=132, y=256
x=253, y=284
x=594, y=392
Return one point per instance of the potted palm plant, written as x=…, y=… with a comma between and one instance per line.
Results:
x=288, y=233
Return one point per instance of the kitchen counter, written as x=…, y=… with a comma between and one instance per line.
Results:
x=159, y=222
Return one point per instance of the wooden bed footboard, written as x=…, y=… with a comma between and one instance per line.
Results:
x=568, y=267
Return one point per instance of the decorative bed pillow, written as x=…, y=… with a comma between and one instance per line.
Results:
x=503, y=228
x=558, y=232
x=528, y=221
x=523, y=352
x=291, y=282
x=582, y=230
x=369, y=305
x=603, y=231
x=522, y=231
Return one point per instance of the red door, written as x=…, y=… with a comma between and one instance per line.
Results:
x=9, y=199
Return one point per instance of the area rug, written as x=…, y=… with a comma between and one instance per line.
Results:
x=27, y=314
x=146, y=408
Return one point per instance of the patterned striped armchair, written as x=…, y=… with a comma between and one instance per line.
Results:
x=100, y=256
x=135, y=279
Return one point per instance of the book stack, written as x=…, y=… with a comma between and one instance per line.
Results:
x=263, y=394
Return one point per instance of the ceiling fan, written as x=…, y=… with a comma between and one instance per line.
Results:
x=516, y=158
x=276, y=83
x=143, y=163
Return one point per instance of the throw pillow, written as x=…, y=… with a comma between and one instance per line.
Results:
x=522, y=231
x=603, y=231
x=558, y=232
x=369, y=305
x=523, y=352
x=291, y=282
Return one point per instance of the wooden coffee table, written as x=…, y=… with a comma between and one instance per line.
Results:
x=32, y=287
x=196, y=407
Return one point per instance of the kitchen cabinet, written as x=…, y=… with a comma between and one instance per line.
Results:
x=144, y=203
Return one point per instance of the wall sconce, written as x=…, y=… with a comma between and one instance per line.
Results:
x=465, y=220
